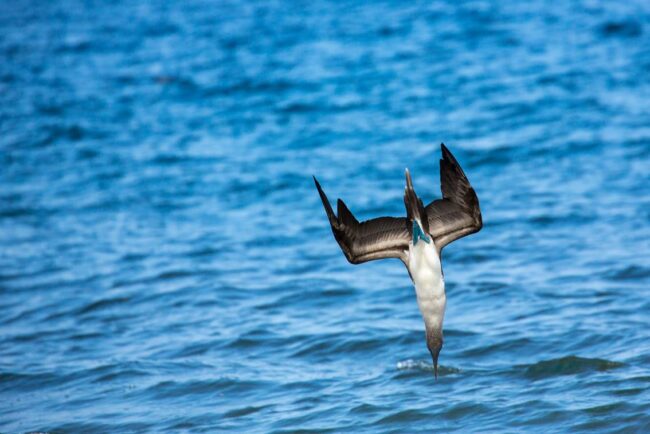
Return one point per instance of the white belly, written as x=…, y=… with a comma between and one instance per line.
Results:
x=426, y=272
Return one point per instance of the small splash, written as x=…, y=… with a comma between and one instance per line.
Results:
x=420, y=365
x=568, y=365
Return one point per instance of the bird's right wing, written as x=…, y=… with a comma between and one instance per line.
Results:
x=458, y=213
x=379, y=238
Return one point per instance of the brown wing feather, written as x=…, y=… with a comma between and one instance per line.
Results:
x=379, y=238
x=458, y=213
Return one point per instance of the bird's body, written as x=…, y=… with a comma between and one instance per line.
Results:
x=426, y=272
x=416, y=240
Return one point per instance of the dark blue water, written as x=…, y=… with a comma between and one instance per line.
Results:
x=166, y=265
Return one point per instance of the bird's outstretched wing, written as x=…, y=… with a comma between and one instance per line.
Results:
x=379, y=238
x=458, y=213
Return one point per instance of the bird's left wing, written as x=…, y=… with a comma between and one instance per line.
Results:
x=379, y=238
x=458, y=213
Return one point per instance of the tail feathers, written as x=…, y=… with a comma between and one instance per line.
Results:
x=414, y=206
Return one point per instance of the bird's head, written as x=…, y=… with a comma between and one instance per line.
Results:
x=434, y=343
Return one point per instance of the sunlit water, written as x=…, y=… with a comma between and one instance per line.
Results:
x=166, y=265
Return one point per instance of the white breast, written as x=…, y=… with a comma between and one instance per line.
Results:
x=426, y=272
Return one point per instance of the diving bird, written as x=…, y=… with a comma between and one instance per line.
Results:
x=417, y=239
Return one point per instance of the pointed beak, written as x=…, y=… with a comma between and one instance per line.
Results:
x=434, y=358
x=434, y=343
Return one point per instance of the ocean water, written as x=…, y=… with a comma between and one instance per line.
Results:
x=166, y=265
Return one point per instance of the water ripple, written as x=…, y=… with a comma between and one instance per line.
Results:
x=165, y=263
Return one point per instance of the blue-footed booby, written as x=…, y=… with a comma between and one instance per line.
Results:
x=417, y=239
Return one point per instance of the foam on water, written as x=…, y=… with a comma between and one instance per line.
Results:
x=419, y=365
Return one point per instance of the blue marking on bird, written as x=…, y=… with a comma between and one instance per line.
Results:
x=418, y=234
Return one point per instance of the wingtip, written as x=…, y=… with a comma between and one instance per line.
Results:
x=326, y=202
x=318, y=187
x=448, y=156
x=446, y=153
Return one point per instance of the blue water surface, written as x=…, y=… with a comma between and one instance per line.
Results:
x=166, y=264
